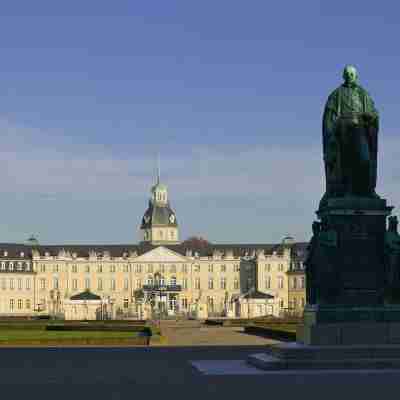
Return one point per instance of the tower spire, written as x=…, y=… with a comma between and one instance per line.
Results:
x=158, y=168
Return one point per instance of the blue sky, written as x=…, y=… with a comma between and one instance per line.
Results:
x=230, y=93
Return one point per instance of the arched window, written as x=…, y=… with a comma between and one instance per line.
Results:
x=150, y=280
x=294, y=285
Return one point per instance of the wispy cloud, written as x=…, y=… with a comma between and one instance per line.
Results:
x=287, y=180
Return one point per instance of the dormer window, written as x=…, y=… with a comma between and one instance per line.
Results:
x=22, y=254
x=5, y=253
x=47, y=254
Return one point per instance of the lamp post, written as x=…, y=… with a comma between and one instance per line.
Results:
x=157, y=277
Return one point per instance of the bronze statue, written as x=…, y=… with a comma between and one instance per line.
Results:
x=350, y=140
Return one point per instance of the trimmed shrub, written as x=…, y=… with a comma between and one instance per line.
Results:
x=96, y=327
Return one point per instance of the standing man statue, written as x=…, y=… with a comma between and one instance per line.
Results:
x=350, y=140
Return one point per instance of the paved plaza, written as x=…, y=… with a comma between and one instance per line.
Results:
x=187, y=334
x=121, y=373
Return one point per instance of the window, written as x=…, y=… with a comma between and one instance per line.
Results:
x=149, y=268
x=112, y=268
x=5, y=254
x=280, y=267
x=99, y=268
x=267, y=267
x=173, y=281
x=268, y=282
x=11, y=283
x=74, y=268
x=281, y=304
x=223, y=268
x=210, y=268
x=126, y=303
x=19, y=284
x=138, y=284
x=236, y=268
x=87, y=283
x=210, y=303
x=210, y=283
x=3, y=283
x=294, y=303
x=126, y=268
x=197, y=268
x=171, y=234
x=172, y=268
x=3, y=265
x=197, y=283
x=99, y=284
x=28, y=266
x=149, y=280
x=184, y=303
x=280, y=282
x=87, y=268
x=11, y=266
x=11, y=304
x=138, y=268
x=184, y=283
x=126, y=284
x=162, y=268
x=302, y=282
x=55, y=268
x=43, y=268
x=294, y=283
x=20, y=304
x=223, y=283
x=184, y=268
x=113, y=284
x=75, y=284
x=42, y=284
x=236, y=284
x=19, y=266
x=55, y=283
x=27, y=304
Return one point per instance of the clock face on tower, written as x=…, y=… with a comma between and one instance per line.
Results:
x=172, y=218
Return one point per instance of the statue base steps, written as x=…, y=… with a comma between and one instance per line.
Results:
x=298, y=356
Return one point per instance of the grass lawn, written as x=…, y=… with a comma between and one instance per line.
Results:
x=42, y=337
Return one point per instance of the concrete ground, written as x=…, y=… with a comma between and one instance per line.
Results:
x=198, y=372
x=168, y=372
x=194, y=334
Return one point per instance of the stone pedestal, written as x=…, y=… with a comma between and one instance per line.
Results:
x=297, y=356
x=346, y=263
x=350, y=265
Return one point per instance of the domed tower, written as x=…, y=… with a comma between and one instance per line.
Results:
x=159, y=225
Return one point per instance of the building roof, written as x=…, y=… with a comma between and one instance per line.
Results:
x=86, y=295
x=14, y=250
x=258, y=295
x=158, y=214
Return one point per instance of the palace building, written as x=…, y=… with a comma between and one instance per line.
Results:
x=160, y=275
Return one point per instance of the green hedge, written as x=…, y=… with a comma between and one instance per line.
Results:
x=97, y=327
x=271, y=332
